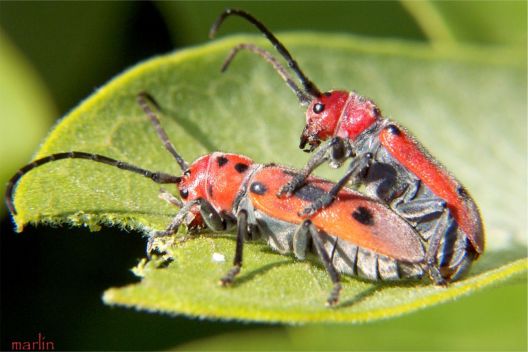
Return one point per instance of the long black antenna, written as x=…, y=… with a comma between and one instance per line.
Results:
x=309, y=87
x=302, y=96
x=158, y=177
x=143, y=99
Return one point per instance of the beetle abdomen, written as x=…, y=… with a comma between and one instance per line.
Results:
x=347, y=258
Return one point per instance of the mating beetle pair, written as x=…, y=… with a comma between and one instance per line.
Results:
x=423, y=228
x=355, y=235
x=394, y=167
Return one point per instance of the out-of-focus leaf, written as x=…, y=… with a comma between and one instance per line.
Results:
x=189, y=21
x=484, y=22
x=73, y=45
x=26, y=108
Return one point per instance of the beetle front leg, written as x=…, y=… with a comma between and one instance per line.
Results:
x=242, y=232
x=173, y=226
x=334, y=150
x=169, y=198
x=211, y=217
x=357, y=167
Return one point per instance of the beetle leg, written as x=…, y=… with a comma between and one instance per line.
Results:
x=334, y=148
x=169, y=198
x=242, y=232
x=408, y=195
x=334, y=248
x=215, y=221
x=421, y=209
x=357, y=167
x=443, y=225
x=301, y=241
x=308, y=227
x=173, y=226
x=338, y=152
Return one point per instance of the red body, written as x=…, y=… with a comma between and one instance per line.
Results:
x=349, y=115
x=215, y=177
x=385, y=233
x=219, y=178
x=411, y=155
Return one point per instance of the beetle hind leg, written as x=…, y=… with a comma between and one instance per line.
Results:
x=421, y=210
x=308, y=228
x=443, y=225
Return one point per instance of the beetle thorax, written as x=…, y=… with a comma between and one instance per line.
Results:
x=215, y=177
x=338, y=113
x=359, y=114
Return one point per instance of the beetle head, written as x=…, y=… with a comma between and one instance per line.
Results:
x=322, y=117
x=191, y=184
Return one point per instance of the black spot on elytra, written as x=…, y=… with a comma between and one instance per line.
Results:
x=241, y=168
x=221, y=160
x=363, y=215
x=393, y=129
x=310, y=193
x=327, y=94
x=210, y=190
x=258, y=188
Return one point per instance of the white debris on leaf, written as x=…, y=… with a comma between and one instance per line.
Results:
x=218, y=258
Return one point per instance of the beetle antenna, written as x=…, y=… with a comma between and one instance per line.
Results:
x=303, y=98
x=143, y=100
x=158, y=177
x=309, y=87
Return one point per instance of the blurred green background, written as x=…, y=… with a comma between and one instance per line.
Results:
x=54, y=54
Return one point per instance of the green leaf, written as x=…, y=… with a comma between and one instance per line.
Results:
x=490, y=320
x=467, y=106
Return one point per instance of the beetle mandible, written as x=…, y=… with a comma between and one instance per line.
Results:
x=355, y=235
x=394, y=167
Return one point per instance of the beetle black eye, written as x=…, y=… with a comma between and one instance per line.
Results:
x=318, y=108
x=184, y=193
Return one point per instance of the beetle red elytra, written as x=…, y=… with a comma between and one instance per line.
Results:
x=355, y=235
x=393, y=166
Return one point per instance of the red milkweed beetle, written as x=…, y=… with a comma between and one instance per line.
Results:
x=355, y=235
x=393, y=166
